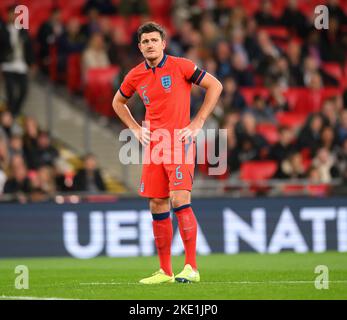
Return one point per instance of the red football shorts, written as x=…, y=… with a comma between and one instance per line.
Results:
x=175, y=172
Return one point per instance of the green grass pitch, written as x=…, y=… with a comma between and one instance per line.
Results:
x=241, y=276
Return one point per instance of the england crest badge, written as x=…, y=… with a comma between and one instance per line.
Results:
x=166, y=82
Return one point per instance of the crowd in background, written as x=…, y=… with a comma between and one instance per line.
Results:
x=31, y=168
x=222, y=38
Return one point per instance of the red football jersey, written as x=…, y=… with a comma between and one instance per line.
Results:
x=164, y=90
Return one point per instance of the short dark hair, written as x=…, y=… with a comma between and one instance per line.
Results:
x=150, y=27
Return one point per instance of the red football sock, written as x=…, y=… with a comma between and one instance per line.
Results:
x=188, y=229
x=162, y=231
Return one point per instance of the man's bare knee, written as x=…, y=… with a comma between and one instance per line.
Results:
x=158, y=205
x=180, y=198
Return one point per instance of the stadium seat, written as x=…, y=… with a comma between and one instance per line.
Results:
x=99, y=89
x=249, y=93
x=269, y=131
x=304, y=100
x=257, y=170
x=318, y=189
x=276, y=33
x=292, y=120
x=159, y=8
x=333, y=69
x=74, y=72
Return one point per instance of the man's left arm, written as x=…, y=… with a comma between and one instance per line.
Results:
x=213, y=90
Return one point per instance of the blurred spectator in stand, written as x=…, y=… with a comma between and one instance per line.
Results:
x=294, y=20
x=16, y=146
x=18, y=184
x=105, y=7
x=276, y=100
x=291, y=167
x=47, y=36
x=118, y=51
x=331, y=47
x=46, y=153
x=278, y=72
x=294, y=56
x=71, y=41
x=251, y=42
x=63, y=173
x=238, y=18
x=309, y=136
x=327, y=139
x=264, y=16
x=223, y=54
x=8, y=126
x=89, y=177
x=133, y=7
x=181, y=41
x=325, y=164
x=261, y=111
x=231, y=98
x=4, y=154
x=329, y=112
x=268, y=53
x=16, y=57
x=221, y=13
x=336, y=11
x=313, y=175
x=210, y=32
x=311, y=68
x=42, y=185
x=95, y=55
x=342, y=126
x=240, y=70
x=229, y=122
x=93, y=23
x=284, y=147
x=31, y=131
x=251, y=145
x=315, y=82
x=341, y=158
x=238, y=43
x=311, y=46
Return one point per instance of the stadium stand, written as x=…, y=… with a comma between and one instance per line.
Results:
x=252, y=42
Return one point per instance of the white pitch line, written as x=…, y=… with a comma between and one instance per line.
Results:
x=217, y=282
x=32, y=298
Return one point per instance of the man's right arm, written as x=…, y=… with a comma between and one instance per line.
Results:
x=123, y=112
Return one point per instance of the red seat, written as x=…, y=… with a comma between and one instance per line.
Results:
x=53, y=62
x=250, y=93
x=159, y=8
x=291, y=119
x=278, y=32
x=291, y=189
x=318, y=189
x=304, y=100
x=257, y=170
x=99, y=89
x=269, y=131
x=334, y=70
x=74, y=72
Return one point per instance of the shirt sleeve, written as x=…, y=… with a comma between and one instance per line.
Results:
x=191, y=71
x=127, y=87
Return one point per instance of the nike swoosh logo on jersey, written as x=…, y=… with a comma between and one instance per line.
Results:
x=177, y=183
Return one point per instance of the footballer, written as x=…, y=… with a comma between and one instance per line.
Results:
x=164, y=84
